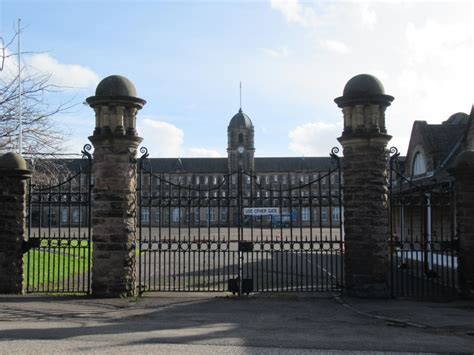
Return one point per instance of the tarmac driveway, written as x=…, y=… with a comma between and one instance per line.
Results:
x=206, y=323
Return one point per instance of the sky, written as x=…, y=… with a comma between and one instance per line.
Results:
x=187, y=58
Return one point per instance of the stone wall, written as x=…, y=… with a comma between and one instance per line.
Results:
x=366, y=218
x=114, y=216
x=13, y=176
x=463, y=171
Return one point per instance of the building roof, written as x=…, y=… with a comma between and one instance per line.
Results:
x=442, y=143
x=220, y=165
x=442, y=138
x=240, y=120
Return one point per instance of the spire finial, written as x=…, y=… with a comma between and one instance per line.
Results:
x=240, y=97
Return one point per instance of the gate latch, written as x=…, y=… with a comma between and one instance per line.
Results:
x=245, y=246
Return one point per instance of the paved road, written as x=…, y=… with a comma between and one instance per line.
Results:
x=255, y=325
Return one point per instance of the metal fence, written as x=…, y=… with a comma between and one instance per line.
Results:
x=58, y=248
x=238, y=232
x=423, y=248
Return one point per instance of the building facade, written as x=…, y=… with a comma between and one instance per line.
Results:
x=305, y=191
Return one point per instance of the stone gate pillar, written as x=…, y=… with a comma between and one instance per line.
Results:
x=114, y=206
x=463, y=172
x=366, y=221
x=13, y=175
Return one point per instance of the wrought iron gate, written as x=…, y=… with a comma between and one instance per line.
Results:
x=240, y=232
x=423, y=248
x=57, y=253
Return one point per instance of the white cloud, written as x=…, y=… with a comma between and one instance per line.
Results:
x=336, y=46
x=295, y=12
x=161, y=138
x=314, y=138
x=277, y=53
x=421, y=52
x=202, y=152
x=435, y=80
x=368, y=15
x=68, y=75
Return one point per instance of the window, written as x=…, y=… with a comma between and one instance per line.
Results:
x=196, y=214
x=197, y=180
x=275, y=178
x=206, y=180
x=241, y=138
x=316, y=213
x=223, y=214
x=305, y=215
x=324, y=214
x=64, y=215
x=293, y=179
x=258, y=179
x=176, y=214
x=75, y=215
x=336, y=214
x=212, y=214
x=419, y=164
x=214, y=180
x=267, y=179
x=145, y=215
x=157, y=216
x=284, y=180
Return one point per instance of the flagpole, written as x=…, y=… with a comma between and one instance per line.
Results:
x=20, y=137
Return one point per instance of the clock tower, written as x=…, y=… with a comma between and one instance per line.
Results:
x=240, y=143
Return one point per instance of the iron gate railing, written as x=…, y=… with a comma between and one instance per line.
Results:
x=57, y=252
x=239, y=232
x=423, y=246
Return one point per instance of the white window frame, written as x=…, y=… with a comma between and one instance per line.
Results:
x=76, y=215
x=419, y=163
x=324, y=214
x=64, y=215
x=145, y=215
x=305, y=214
x=176, y=214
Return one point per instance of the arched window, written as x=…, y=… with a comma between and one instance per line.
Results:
x=241, y=138
x=419, y=164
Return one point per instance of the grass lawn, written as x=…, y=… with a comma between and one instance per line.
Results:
x=55, y=269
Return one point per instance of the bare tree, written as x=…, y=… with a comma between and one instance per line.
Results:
x=40, y=135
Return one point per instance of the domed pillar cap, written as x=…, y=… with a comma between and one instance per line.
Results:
x=116, y=89
x=363, y=89
x=13, y=164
